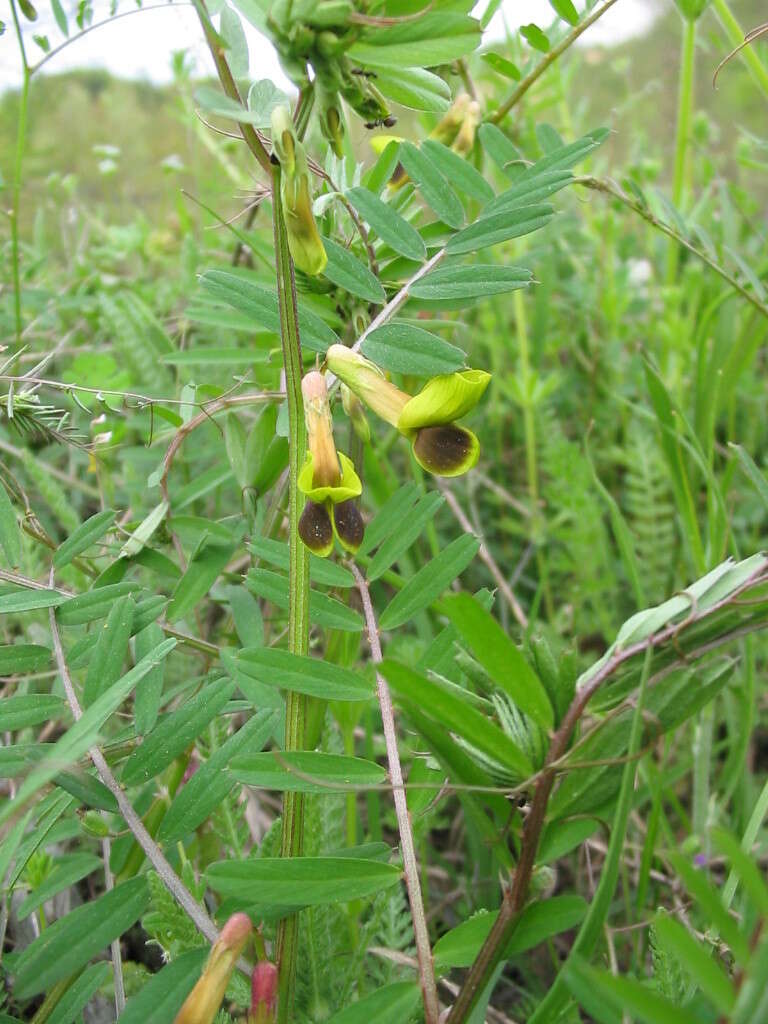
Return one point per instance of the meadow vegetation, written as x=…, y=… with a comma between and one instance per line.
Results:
x=382, y=515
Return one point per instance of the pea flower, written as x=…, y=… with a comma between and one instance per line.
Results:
x=440, y=445
x=328, y=478
x=203, y=1002
x=304, y=239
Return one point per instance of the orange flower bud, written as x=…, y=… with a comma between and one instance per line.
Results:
x=203, y=1002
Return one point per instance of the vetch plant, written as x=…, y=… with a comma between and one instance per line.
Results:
x=252, y=775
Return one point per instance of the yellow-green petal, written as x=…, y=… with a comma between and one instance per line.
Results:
x=348, y=487
x=446, y=450
x=444, y=399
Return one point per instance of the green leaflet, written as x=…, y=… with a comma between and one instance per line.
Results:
x=500, y=657
x=303, y=881
x=71, y=941
x=307, y=771
x=403, y=348
x=430, y=581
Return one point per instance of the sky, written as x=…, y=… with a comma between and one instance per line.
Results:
x=140, y=45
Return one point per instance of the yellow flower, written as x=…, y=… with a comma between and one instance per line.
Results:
x=440, y=445
x=327, y=478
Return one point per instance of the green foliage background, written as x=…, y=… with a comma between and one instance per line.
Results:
x=624, y=455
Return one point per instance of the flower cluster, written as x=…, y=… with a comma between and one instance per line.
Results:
x=440, y=445
x=317, y=35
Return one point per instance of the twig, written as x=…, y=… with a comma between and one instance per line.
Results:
x=353, y=214
x=188, y=641
x=154, y=854
x=514, y=899
x=393, y=306
x=250, y=135
x=546, y=61
x=143, y=400
x=410, y=864
x=117, y=956
x=485, y=556
x=225, y=402
x=503, y=493
x=70, y=481
x=610, y=188
x=750, y=37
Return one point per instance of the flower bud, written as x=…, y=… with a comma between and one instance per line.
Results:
x=465, y=138
x=203, y=1002
x=447, y=129
x=367, y=381
x=332, y=127
x=263, y=993
x=304, y=240
x=328, y=13
x=317, y=417
x=284, y=139
x=93, y=823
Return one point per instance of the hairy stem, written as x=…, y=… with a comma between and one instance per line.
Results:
x=407, y=848
x=501, y=112
x=612, y=189
x=298, y=568
x=155, y=855
x=298, y=585
x=492, y=951
x=228, y=84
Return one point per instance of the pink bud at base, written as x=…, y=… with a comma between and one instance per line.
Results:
x=263, y=993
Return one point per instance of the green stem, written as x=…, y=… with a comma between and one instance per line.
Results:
x=21, y=141
x=702, y=759
x=680, y=184
x=529, y=427
x=298, y=585
x=610, y=188
x=547, y=61
x=735, y=35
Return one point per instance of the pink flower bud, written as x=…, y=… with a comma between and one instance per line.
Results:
x=263, y=993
